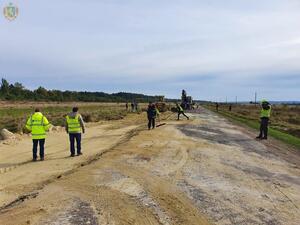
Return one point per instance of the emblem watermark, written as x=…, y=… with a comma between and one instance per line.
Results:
x=10, y=12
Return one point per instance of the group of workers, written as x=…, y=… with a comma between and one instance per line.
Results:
x=134, y=106
x=153, y=113
x=38, y=125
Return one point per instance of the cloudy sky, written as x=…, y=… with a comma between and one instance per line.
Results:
x=212, y=48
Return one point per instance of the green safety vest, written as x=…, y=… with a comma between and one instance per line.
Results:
x=38, y=125
x=157, y=111
x=180, y=108
x=73, y=124
x=265, y=113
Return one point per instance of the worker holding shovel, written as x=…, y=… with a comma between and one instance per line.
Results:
x=180, y=111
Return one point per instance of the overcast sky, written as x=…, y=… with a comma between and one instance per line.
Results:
x=211, y=48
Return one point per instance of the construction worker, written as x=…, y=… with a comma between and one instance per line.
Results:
x=38, y=124
x=265, y=114
x=157, y=111
x=74, y=126
x=151, y=114
x=180, y=111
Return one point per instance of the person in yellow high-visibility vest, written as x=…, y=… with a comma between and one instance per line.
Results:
x=180, y=111
x=38, y=124
x=265, y=114
x=74, y=127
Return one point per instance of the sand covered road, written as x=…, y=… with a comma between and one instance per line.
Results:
x=19, y=175
x=202, y=171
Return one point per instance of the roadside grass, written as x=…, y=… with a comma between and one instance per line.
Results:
x=254, y=123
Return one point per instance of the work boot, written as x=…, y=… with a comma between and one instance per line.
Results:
x=72, y=155
x=34, y=160
x=80, y=153
x=265, y=138
x=259, y=137
x=42, y=159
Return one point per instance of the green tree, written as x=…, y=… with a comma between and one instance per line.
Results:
x=4, y=87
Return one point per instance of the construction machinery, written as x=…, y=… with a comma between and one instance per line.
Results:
x=186, y=101
x=161, y=105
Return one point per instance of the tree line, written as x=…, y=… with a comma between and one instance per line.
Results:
x=17, y=92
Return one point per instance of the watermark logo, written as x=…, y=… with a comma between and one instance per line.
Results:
x=11, y=12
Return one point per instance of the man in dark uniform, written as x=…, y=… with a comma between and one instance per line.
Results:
x=151, y=114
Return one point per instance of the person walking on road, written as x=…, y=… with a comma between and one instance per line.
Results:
x=38, y=124
x=265, y=114
x=180, y=111
x=126, y=106
x=74, y=126
x=151, y=114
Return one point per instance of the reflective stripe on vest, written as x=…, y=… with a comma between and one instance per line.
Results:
x=180, y=108
x=73, y=124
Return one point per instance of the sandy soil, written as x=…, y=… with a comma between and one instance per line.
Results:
x=201, y=171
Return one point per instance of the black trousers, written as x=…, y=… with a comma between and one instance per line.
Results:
x=75, y=137
x=151, y=122
x=179, y=113
x=264, y=122
x=41, y=143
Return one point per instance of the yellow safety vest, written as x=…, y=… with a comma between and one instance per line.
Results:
x=157, y=111
x=38, y=125
x=73, y=124
x=265, y=113
x=180, y=108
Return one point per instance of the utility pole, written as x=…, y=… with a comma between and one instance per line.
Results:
x=255, y=98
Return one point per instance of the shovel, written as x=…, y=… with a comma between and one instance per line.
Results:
x=161, y=124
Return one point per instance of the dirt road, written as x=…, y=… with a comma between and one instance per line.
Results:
x=201, y=171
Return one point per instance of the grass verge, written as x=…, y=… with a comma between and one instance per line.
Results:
x=279, y=135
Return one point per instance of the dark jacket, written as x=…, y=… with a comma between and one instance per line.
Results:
x=151, y=111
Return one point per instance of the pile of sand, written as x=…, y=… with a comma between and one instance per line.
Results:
x=6, y=135
x=8, y=138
